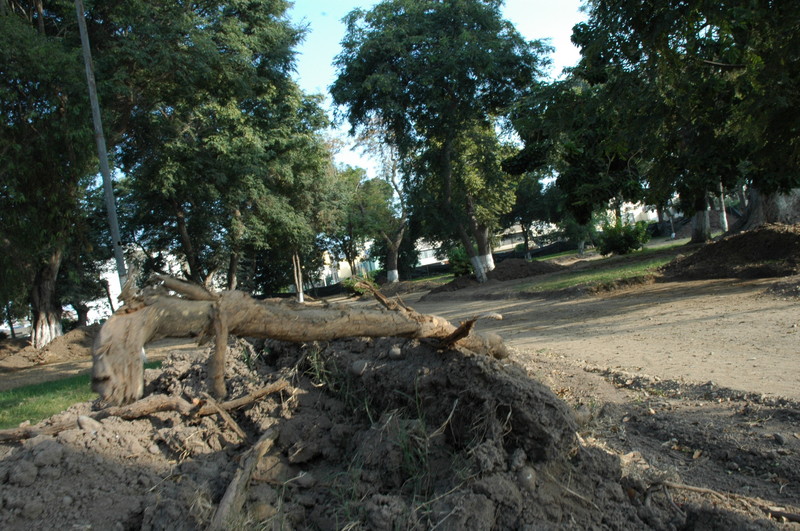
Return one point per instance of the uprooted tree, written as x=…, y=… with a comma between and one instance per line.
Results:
x=174, y=308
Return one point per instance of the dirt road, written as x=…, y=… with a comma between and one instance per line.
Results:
x=725, y=331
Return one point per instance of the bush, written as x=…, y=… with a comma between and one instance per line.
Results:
x=622, y=239
x=350, y=284
x=459, y=261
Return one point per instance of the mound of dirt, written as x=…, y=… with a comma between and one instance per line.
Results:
x=403, y=287
x=374, y=434
x=509, y=269
x=514, y=268
x=769, y=251
x=456, y=284
x=74, y=345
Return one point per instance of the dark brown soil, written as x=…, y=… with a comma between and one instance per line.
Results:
x=395, y=434
x=515, y=268
x=391, y=434
x=769, y=251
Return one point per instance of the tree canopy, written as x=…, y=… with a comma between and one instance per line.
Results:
x=432, y=72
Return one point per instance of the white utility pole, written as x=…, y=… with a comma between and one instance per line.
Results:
x=102, y=153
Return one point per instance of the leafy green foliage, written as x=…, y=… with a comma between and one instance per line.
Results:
x=621, y=238
x=47, y=147
x=438, y=75
x=459, y=261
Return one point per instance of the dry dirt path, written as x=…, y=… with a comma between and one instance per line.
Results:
x=50, y=372
x=725, y=331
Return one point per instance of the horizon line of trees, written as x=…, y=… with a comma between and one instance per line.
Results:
x=225, y=163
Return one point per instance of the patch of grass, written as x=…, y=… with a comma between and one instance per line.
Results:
x=556, y=255
x=623, y=270
x=439, y=279
x=39, y=401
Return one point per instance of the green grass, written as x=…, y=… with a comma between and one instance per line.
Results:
x=39, y=401
x=440, y=279
x=594, y=277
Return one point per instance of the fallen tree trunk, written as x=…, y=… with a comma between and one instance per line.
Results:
x=118, y=369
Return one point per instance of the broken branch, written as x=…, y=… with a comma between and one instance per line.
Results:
x=233, y=500
x=117, y=371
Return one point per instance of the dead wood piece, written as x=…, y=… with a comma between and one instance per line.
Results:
x=191, y=291
x=144, y=407
x=234, y=497
x=216, y=364
x=117, y=371
x=775, y=513
x=225, y=416
x=246, y=400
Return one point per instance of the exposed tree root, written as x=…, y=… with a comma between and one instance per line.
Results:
x=117, y=372
x=771, y=511
x=236, y=493
x=147, y=406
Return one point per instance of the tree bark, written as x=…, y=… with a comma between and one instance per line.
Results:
x=233, y=269
x=45, y=307
x=118, y=371
x=526, y=235
x=186, y=242
x=772, y=208
x=723, y=216
x=110, y=299
x=392, y=274
x=82, y=311
x=701, y=227
x=10, y=319
x=298, y=277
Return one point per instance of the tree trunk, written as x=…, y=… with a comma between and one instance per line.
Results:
x=701, y=227
x=188, y=249
x=10, y=319
x=82, y=311
x=772, y=208
x=108, y=295
x=118, y=370
x=393, y=246
x=474, y=259
x=484, y=247
x=723, y=216
x=298, y=277
x=526, y=236
x=45, y=307
x=392, y=274
x=233, y=268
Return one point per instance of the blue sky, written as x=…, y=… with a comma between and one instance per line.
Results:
x=535, y=19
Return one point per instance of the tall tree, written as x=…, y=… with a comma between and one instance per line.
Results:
x=726, y=76
x=379, y=142
x=430, y=70
x=46, y=142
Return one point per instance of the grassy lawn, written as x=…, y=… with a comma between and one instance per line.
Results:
x=439, y=279
x=620, y=270
x=39, y=401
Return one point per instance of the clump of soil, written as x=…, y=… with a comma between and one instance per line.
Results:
x=74, y=345
x=769, y=251
x=788, y=288
x=463, y=282
x=514, y=268
x=510, y=269
x=404, y=287
x=373, y=434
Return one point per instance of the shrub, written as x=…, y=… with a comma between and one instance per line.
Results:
x=622, y=239
x=350, y=284
x=459, y=261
